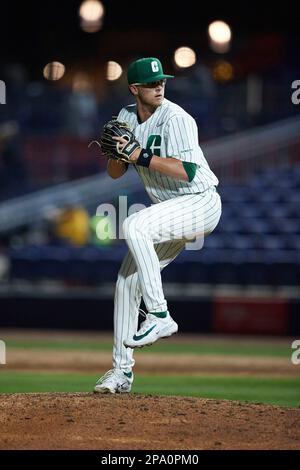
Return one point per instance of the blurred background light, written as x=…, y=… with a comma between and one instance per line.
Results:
x=91, y=14
x=81, y=82
x=91, y=10
x=91, y=26
x=184, y=57
x=223, y=71
x=220, y=36
x=54, y=71
x=114, y=71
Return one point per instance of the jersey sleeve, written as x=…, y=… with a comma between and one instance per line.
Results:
x=122, y=115
x=127, y=115
x=182, y=139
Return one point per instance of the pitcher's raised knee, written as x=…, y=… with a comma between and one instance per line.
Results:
x=133, y=227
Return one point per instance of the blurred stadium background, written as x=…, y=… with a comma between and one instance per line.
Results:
x=63, y=65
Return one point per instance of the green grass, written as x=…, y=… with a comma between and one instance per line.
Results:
x=230, y=349
x=277, y=391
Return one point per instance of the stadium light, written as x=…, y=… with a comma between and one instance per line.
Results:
x=114, y=71
x=54, y=71
x=91, y=14
x=220, y=36
x=184, y=57
x=91, y=10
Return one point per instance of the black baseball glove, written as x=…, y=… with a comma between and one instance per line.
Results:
x=112, y=148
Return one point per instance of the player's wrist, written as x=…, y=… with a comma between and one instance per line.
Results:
x=135, y=155
x=144, y=158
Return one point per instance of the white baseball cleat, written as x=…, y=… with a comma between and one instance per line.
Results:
x=152, y=329
x=114, y=381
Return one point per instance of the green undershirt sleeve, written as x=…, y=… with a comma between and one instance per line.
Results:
x=190, y=169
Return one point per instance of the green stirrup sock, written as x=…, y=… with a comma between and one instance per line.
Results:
x=160, y=314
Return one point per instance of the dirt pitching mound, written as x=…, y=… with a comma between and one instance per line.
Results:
x=110, y=422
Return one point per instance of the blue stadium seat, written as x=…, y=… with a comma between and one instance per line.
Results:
x=239, y=242
x=292, y=242
x=214, y=241
x=228, y=226
x=271, y=242
x=269, y=195
x=254, y=226
x=53, y=262
x=286, y=226
x=23, y=263
x=280, y=211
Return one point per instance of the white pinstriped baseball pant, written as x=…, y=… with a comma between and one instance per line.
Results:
x=155, y=237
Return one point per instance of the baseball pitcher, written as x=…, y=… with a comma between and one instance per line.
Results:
x=160, y=140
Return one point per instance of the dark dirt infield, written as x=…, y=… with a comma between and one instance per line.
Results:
x=109, y=422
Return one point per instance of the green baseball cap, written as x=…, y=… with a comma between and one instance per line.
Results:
x=146, y=70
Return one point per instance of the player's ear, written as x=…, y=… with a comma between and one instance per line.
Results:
x=133, y=90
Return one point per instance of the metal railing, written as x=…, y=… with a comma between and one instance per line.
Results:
x=236, y=157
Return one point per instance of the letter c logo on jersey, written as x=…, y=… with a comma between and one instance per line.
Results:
x=154, y=143
x=154, y=66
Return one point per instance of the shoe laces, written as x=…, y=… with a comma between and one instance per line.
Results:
x=109, y=374
x=147, y=323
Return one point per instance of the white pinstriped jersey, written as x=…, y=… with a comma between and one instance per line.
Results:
x=169, y=132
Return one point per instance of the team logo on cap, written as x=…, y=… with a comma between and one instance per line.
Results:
x=154, y=66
